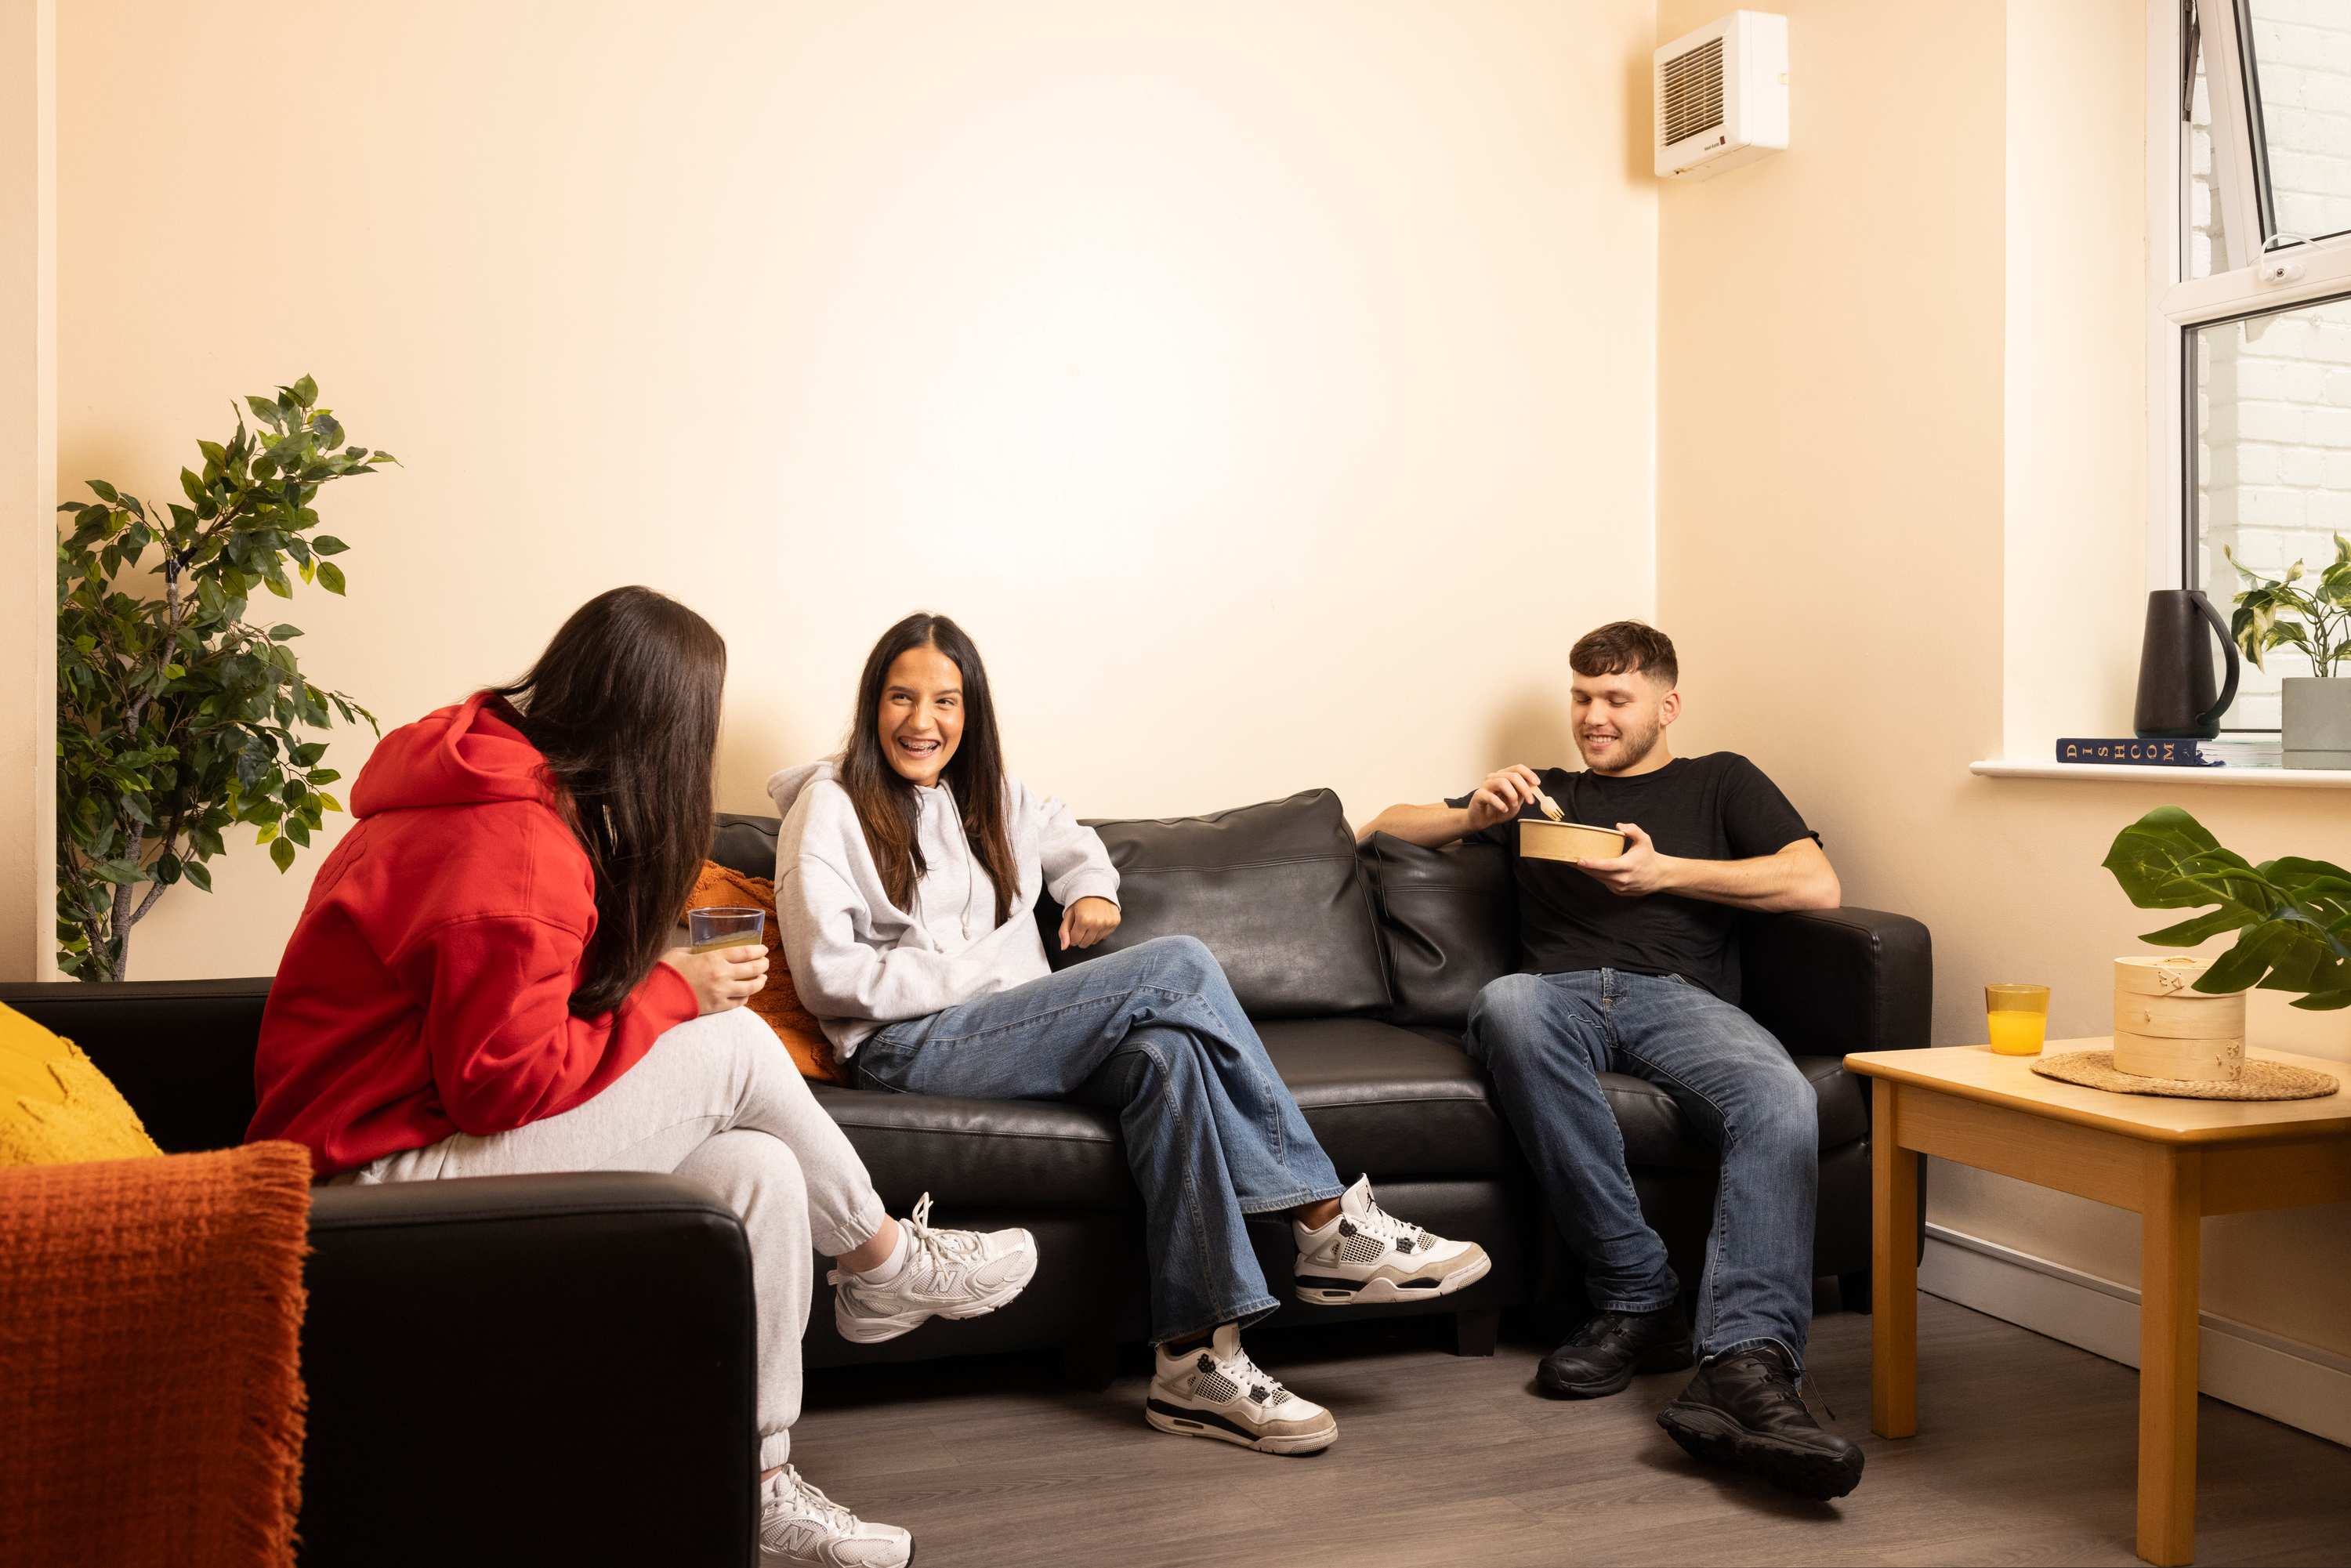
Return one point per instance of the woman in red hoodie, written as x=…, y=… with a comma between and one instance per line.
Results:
x=484, y=983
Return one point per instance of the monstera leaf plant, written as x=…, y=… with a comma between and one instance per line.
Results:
x=2292, y=916
x=178, y=718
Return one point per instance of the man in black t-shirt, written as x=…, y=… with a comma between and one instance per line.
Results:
x=1629, y=967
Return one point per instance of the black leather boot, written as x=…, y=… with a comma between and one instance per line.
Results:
x=1601, y=1357
x=1744, y=1409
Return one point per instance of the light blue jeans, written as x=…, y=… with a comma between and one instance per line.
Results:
x=1155, y=1034
x=1544, y=1039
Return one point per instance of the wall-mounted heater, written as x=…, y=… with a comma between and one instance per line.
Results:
x=1722, y=96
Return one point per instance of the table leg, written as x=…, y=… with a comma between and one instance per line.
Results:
x=2169, y=1217
x=1894, y=1267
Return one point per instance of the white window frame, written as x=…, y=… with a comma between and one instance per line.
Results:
x=2180, y=304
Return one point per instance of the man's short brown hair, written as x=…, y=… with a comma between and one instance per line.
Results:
x=1625, y=647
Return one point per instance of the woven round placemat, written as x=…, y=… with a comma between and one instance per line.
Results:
x=2263, y=1080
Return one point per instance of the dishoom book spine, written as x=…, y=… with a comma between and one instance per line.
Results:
x=2131, y=752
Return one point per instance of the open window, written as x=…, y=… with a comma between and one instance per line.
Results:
x=2254, y=324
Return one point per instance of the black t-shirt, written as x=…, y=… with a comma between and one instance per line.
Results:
x=1715, y=808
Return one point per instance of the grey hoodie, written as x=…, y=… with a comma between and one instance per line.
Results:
x=860, y=962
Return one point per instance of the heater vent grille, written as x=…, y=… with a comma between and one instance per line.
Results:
x=1690, y=100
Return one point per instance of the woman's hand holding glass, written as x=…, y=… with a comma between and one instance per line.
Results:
x=724, y=979
x=1087, y=922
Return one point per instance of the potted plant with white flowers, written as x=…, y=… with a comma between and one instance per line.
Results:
x=2311, y=613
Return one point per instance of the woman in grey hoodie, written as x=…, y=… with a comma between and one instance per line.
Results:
x=907, y=876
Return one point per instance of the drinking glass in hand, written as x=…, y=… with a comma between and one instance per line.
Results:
x=708, y=930
x=2019, y=1017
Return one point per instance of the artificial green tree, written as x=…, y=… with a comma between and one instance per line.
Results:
x=176, y=718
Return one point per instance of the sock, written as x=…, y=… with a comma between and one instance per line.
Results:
x=890, y=1267
x=1175, y=1347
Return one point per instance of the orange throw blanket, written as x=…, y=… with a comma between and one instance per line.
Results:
x=150, y=1403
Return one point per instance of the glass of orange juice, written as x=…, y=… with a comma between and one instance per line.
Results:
x=2020, y=1017
x=710, y=929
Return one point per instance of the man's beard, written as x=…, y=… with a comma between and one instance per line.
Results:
x=1632, y=749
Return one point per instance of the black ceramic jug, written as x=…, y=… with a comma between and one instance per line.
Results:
x=2175, y=668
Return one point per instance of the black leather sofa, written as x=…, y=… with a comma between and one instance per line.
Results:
x=1358, y=965
x=558, y=1367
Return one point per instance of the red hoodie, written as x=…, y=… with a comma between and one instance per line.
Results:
x=426, y=990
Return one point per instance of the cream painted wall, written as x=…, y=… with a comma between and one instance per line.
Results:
x=1897, y=438
x=28, y=448
x=1268, y=388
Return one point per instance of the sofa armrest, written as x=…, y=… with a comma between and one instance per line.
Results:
x=1832, y=981
x=533, y=1368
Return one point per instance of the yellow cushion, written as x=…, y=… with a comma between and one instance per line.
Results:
x=56, y=1107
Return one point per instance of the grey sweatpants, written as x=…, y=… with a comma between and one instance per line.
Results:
x=718, y=1101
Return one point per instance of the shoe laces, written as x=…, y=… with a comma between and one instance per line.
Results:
x=1239, y=1370
x=1790, y=1384
x=1604, y=1326
x=799, y=1489
x=942, y=1249
x=1379, y=1222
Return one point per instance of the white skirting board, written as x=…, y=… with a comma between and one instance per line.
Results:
x=2267, y=1374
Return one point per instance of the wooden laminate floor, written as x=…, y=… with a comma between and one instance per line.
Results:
x=2025, y=1455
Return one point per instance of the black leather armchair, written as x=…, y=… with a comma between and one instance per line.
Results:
x=514, y=1369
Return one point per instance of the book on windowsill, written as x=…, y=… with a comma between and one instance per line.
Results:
x=2133, y=753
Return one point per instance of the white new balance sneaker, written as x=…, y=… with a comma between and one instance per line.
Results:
x=1367, y=1255
x=947, y=1274
x=801, y=1526
x=1216, y=1391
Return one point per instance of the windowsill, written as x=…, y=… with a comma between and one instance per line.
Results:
x=2099, y=773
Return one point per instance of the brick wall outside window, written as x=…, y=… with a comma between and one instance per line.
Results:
x=2273, y=395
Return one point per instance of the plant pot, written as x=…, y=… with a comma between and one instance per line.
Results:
x=2318, y=723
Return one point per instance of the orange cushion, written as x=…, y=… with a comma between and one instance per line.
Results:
x=778, y=1002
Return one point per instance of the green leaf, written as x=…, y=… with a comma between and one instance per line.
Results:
x=198, y=873
x=328, y=544
x=306, y=392
x=330, y=577
x=105, y=490
x=282, y=631
x=283, y=853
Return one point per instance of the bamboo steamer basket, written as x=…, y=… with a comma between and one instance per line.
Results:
x=2166, y=1029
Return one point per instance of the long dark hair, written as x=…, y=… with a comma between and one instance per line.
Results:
x=624, y=707
x=886, y=801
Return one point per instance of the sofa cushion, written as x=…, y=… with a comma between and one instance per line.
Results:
x=1389, y=1102
x=1271, y=889
x=984, y=1153
x=1379, y=1099
x=56, y=1107
x=1448, y=920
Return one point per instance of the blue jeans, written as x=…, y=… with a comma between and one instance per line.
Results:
x=1154, y=1033
x=1544, y=1039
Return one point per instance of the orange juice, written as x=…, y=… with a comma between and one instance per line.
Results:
x=2017, y=1033
x=720, y=943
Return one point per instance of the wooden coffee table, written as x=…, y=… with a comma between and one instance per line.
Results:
x=2172, y=1161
